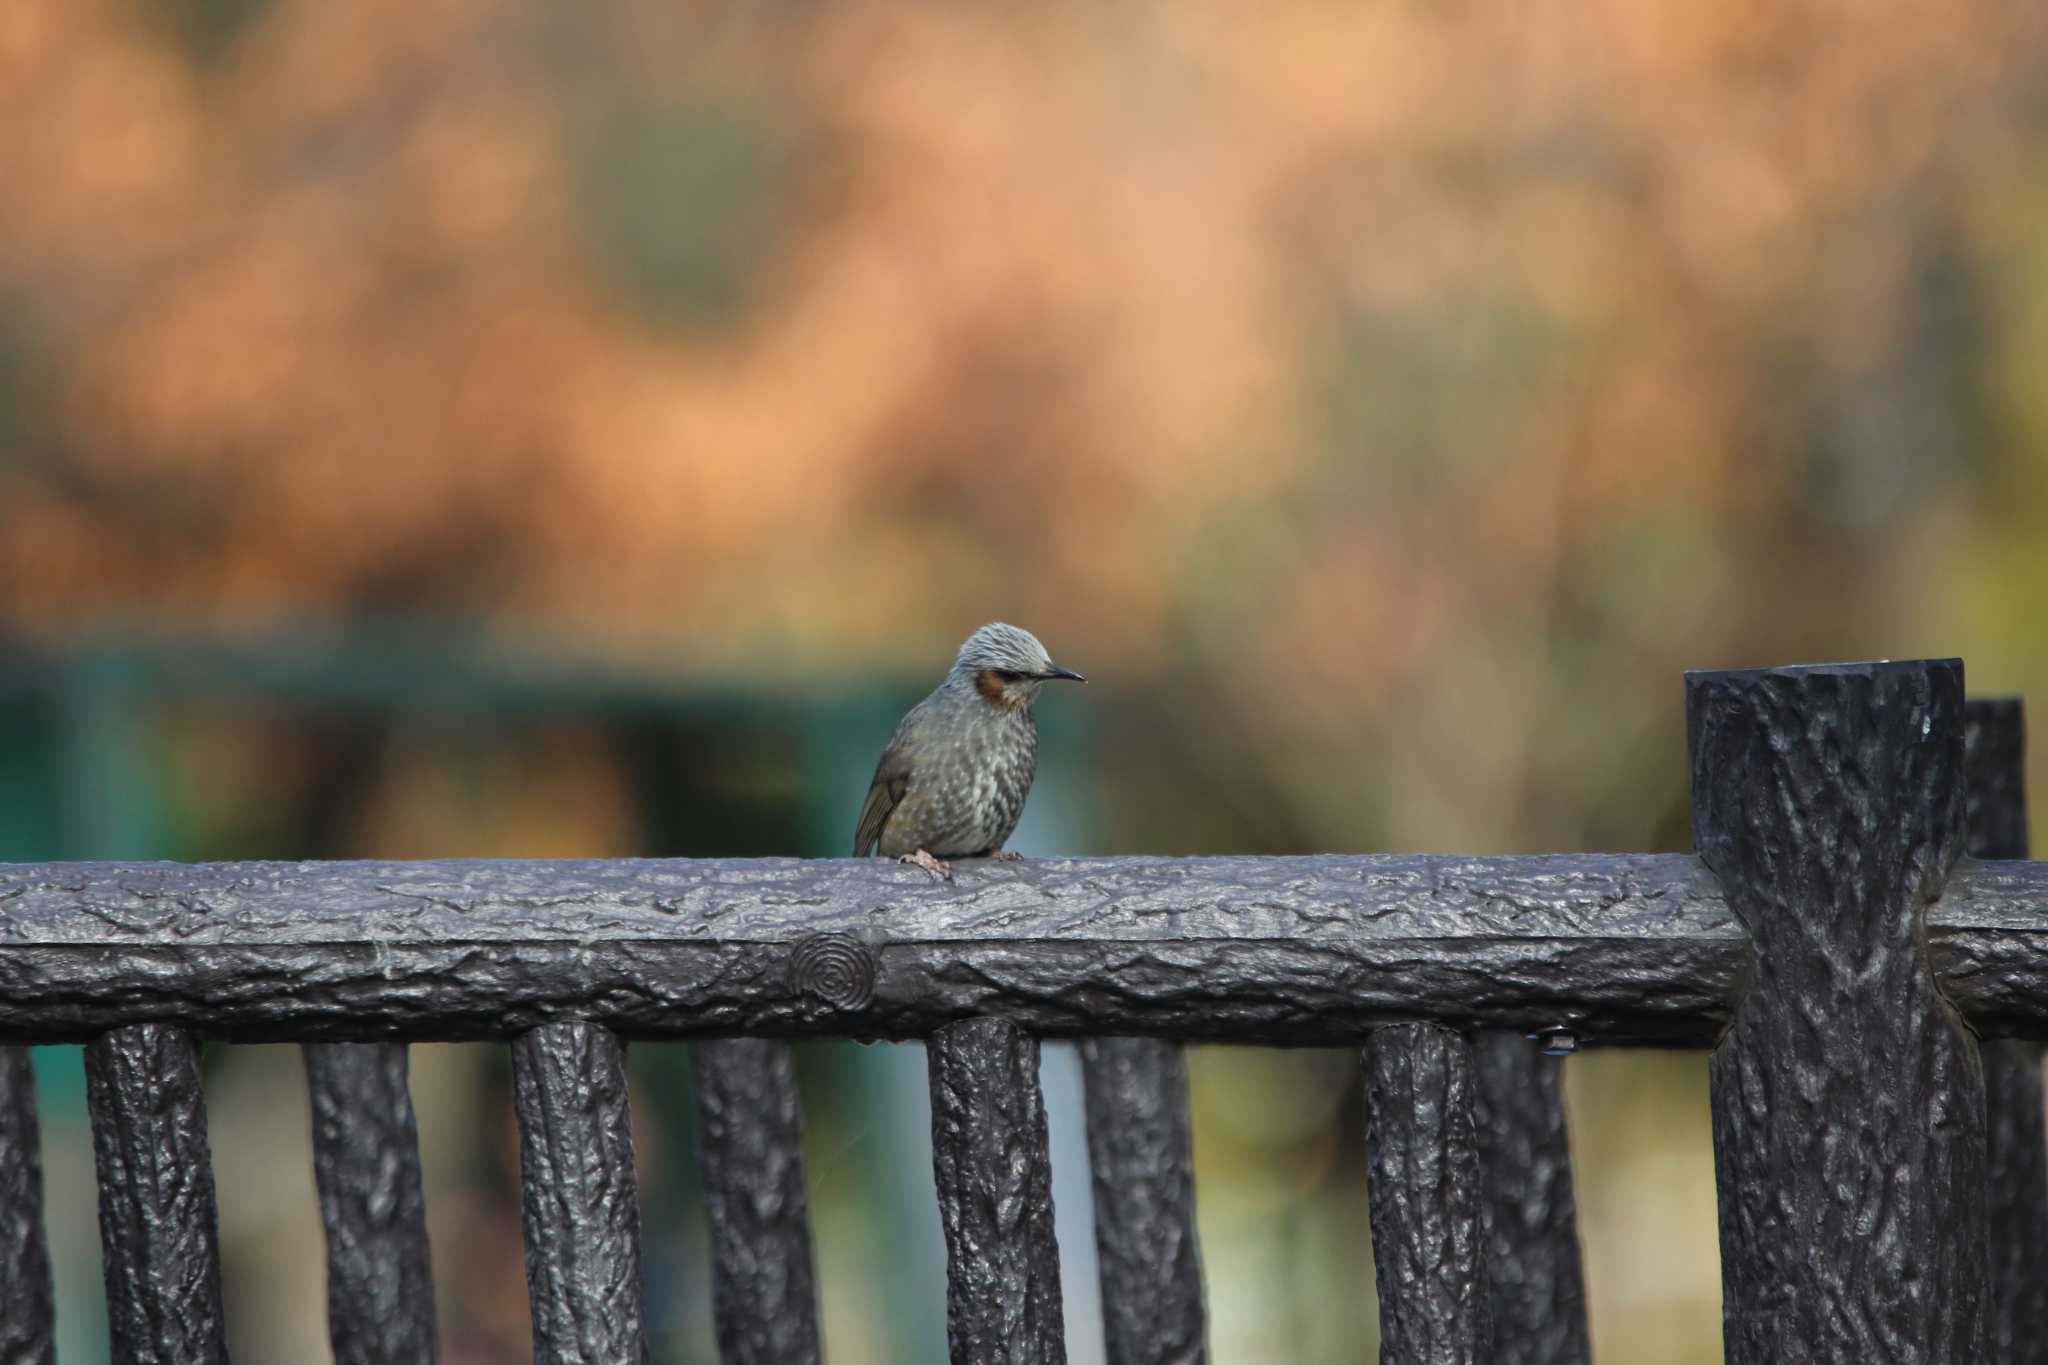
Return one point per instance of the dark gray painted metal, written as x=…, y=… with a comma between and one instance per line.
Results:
x=1290, y=950
x=578, y=1196
x=2016, y=1143
x=763, y=1285
x=159, y=1233
x=1988, y=937
x=28, y=1326
x=1315, y=950
x=1848, y=1097
x=1141, y=1168
x=1424, y=1188
x=1531, y=1216
x=366, y=1164
x=995, y=1196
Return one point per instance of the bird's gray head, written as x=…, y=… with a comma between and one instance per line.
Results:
x=1006, y=665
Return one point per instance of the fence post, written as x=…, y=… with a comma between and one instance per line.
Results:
x=159, y=1226
x=1848, y=1096
x=2016, y=1146
x=578, y=1195
x=763, y=1289
x=366, y=1166
x=28, y=1326
x=1141, y=1172
x=1530, y=1214
x=995, y=1196
x=1425, y=1191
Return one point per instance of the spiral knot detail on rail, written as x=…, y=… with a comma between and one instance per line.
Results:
x=837, y=969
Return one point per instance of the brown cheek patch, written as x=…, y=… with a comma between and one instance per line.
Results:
x=990, y=685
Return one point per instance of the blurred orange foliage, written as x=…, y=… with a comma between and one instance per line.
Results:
x=323, y=315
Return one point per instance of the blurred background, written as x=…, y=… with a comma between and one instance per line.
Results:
x=490, y=427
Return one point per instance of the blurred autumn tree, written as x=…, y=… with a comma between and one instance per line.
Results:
x=1385, y=401
x=1344, y=363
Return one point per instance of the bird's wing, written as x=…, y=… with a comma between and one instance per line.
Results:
x=892, y=779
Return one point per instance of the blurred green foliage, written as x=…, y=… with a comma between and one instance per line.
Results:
x=207, y=29
x=684, y=203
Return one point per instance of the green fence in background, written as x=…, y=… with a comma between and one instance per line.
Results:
x=87, y=772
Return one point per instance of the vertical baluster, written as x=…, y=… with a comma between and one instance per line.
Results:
x=1423, y=1184
x=578, y=1196
x=159, y=1227
x=366, y=1164
x=2016, y=1144
x=1141, y=1169
x=1848, y=1097
x=763, y=1283
x=28, y=1326
x=1531, y=1217
x=995, y=1196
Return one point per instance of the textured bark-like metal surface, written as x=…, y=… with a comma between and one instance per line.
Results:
x=1314, y=950
x=763, y=1285
x=578, y=1195
x=1988, y=937
x=2016, y=1143
x=1848, y=1097
x=1530, y=1215
x=995, y=1196
x=28, y=1325
x=1141, y=1168
x=366, y=1164
x=1426, y=1193
x=159, y=1233
x=1285, y=950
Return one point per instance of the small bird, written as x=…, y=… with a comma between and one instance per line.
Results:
x=953, y=780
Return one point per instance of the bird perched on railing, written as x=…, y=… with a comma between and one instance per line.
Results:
x=953, y=780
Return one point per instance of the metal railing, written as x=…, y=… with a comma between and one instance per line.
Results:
x=1833, y=944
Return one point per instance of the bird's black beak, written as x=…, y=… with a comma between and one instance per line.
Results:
x=1057, y=672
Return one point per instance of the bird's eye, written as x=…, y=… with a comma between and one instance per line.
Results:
x=1009, y=675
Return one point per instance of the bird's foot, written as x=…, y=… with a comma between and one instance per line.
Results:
x=940, y=870
x=1006, y=855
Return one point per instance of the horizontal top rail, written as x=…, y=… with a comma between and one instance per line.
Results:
x=1313, y=950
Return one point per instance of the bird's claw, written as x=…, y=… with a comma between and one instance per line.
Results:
x=1006, y=855
x=939, y=869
